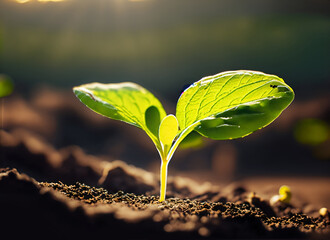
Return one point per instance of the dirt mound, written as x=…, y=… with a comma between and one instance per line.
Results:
x=30, y=154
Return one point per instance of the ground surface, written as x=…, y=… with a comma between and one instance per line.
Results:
x=59, y=211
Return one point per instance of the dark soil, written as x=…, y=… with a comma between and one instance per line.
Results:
x=59, y=211
x=180, y=209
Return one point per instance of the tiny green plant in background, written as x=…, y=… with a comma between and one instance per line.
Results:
x=284, y=195
x=6, y=86
x=227, y=105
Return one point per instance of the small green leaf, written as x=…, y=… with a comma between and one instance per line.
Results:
x=168, y=129
x=233, y=104
x=6, y=86
x=127, y=102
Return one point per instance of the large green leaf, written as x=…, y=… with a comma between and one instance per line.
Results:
x=127, y=102
x=232, y=104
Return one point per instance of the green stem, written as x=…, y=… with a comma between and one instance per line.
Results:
x=163, y=179
x=166, y=159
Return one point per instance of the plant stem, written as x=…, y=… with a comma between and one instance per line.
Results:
x=166, y=155
x=163, y=179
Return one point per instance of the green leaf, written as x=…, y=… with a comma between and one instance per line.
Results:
x=168, y=130
x=6, y=86
x=127, y=102
x=233, y=104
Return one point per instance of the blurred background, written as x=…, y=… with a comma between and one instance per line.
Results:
x=47, y=47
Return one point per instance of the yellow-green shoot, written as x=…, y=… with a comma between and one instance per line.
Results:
x=227, y=105
x=284, y=195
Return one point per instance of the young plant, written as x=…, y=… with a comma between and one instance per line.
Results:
x=284, y=195
x=227, y=105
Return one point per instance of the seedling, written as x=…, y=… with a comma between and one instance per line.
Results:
x=227, y=105
x=284, y=195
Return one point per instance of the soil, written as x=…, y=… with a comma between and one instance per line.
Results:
x=59, y=211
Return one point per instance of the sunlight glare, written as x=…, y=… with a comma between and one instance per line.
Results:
x=25, y=1
x=51, y=0
x=22, y=1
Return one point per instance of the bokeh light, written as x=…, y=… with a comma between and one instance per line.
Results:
x=26, y=1
x=311, y=131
